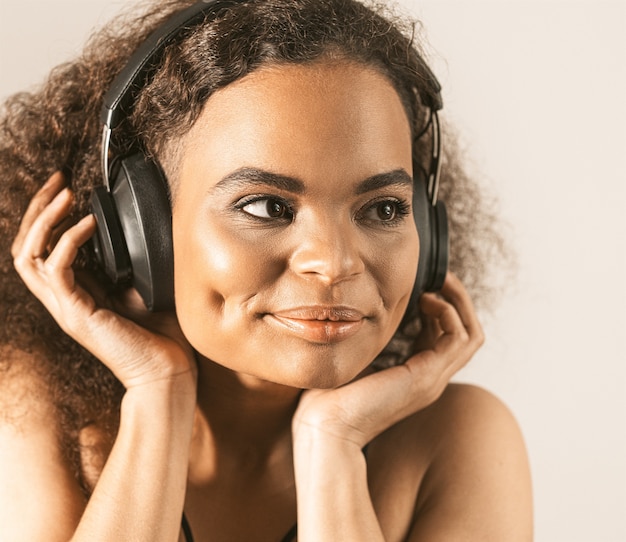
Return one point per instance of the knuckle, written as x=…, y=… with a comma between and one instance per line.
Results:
x=51, y=267
x=480, y=338
x=462, y=336
x=20, y=262
x=477, y=337
x=15, y=249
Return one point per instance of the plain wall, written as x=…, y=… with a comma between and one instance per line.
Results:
x=538, y=92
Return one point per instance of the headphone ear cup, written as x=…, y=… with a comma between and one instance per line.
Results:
x=140, y=199
x=108, y=241
x=432, y=228
x=441, y=246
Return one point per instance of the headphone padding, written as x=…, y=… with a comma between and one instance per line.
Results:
x=141, y=197
x=108, y=241
x=441, y=246
x=432, y=229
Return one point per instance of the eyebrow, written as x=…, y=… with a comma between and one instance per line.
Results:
x=247, y=176
x=382, y=180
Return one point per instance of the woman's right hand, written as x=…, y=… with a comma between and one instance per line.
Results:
x=138, y=346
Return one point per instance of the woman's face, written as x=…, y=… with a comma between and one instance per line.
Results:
x=295, y=249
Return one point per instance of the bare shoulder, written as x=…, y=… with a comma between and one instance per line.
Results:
x=462, y=469
x=466, y=414
x=40, y=498
x=477, y=485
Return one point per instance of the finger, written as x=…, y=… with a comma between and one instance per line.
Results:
x=94, y=286
x=59, y=264
x=453, y=311
x=441, y=314
x=455, y=346
x=31, y=249
x=461, y=335
x=453, y=335
x=430, y=329
x=371, y=404
x=39, y=202
x=53, y=278
x=37, y=239
x=454, y=292
x=58, y=231
x=130, y=303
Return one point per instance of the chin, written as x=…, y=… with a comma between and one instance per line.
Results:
x=321, y=370
x=320, y=382
x=281, y=358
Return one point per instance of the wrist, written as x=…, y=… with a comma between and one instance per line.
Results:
x=320, y=458
x=327, y=435
x=141, y=490
x=332, y=492
x=167, y=401
x=311, y=439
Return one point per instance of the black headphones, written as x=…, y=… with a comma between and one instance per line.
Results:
x=133, y=239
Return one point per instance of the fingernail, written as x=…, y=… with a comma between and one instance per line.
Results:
x=65, y=193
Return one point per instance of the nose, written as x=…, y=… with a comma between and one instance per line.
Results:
x=327, y=249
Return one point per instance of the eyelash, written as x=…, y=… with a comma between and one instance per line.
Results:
x=240, y=205
x=401, y=210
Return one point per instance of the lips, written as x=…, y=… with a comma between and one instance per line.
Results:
x=322, y=325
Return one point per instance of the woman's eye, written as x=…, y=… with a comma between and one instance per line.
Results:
x=268, y=208
x=386, y=211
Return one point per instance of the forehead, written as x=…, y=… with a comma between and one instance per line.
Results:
x=303, y=119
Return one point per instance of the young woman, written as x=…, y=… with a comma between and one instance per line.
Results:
x=297, y=385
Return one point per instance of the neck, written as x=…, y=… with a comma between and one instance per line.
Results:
x=240, y=421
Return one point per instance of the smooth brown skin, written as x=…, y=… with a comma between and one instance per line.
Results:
x=444, y=462
x=235, y=273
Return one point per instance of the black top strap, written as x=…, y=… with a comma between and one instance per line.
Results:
x=291, y=534
x=186, y=529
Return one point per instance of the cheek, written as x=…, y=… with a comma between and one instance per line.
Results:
x=215, y=272
x=396, y=269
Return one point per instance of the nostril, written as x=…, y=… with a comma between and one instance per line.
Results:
x=328, y=263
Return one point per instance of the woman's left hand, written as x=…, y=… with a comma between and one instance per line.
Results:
x=359, y=411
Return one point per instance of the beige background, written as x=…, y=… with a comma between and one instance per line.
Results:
x=538, y=89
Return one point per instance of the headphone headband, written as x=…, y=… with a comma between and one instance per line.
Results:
x=120, y=93
x=130, y=78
